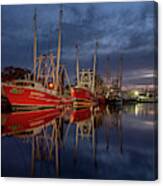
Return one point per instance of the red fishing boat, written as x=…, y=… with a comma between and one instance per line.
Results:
x=84, y=93
x=82, y=97
x=18, y=122
x=29, y=94
x=46, y=86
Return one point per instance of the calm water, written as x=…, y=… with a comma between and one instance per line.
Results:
x=100, y=143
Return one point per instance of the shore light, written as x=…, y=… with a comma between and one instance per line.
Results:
x=136, y=93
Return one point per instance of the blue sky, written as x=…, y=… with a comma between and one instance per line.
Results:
x=120, y=28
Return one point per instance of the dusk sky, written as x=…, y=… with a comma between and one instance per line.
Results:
x=120, y=28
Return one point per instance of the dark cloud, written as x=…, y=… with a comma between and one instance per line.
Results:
x=126, y=28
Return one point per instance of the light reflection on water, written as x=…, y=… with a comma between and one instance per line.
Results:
x=99, y=143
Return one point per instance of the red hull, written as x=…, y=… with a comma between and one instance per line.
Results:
x=24, y=96
x=83, y=95
x=25, y=121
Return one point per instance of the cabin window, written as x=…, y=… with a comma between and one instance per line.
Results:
x=25, y=84
x=20, y=84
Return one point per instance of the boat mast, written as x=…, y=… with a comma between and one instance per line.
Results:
x=120, y=72
x=52, y=59
x=59, y=48
x=108, y=72
x=34, y=45
x=40, y=59
x=77, y=64
x=94, y=67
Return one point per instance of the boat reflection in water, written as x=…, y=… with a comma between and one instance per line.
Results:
x=27, y=122
x=33, y=126
x=82, y=143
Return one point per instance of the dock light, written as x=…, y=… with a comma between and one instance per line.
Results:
x=136, y=93
x=51, y=85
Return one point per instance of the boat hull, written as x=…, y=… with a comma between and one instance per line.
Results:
x=83, y=97
x=20, y=97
